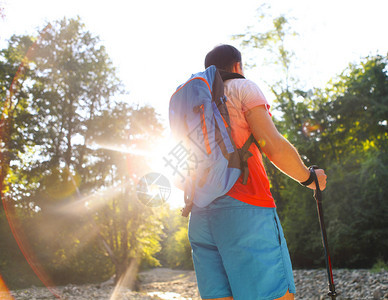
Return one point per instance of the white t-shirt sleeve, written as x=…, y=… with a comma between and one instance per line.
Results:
x=251, y=96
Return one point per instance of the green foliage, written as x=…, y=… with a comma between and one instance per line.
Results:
x=70, y=179
x=15, y=132
x=13, y=267
x=358, y=113
x=351, y=144
x=176, y=249
x=379, y=266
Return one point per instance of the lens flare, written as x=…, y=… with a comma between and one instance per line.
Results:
x=4, y=292
x=141, y=162
x=127, y=280
x=92, y=202
x=310, y=129
x=5, y=136
x=153, y=189
x=24, y=246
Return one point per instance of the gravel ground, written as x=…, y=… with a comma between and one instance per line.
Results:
x=168, y=284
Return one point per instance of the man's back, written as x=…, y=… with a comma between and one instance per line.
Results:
x=242, y=95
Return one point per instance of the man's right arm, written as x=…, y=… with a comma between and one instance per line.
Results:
x=279, y=151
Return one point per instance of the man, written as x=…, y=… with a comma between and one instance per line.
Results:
x=239, y=250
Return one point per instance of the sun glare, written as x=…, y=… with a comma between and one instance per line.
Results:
x=90, y=202
x=156, y=158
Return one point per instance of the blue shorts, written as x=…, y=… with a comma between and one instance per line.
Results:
x=239, y=250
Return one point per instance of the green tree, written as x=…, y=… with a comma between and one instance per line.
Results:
x=176, y=249
x=357, y=158
x=131, y=230
x=71, y=81
x=73, y=184
x=16, y=129
x=15, y=134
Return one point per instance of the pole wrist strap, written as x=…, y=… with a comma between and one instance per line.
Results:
x=310, y=180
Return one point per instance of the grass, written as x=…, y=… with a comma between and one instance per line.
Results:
x=379, y=266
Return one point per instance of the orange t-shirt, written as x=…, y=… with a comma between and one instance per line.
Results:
x=243, y=95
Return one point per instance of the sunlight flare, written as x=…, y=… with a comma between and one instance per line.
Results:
x=92, y=202
x=154, y=155
x=127, y=279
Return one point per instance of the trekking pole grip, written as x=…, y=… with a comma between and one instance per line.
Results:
x=317, y=191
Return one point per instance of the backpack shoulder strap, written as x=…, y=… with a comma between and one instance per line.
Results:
x=243, y=151
x=245, y=154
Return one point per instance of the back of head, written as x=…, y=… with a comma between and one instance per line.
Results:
x=223, y=57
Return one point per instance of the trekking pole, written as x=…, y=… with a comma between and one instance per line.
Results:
x=318, y=197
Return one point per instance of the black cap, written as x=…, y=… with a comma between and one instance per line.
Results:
x=223, y=57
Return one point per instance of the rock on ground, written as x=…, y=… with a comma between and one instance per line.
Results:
x=162, y=283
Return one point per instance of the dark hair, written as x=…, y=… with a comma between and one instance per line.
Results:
x=223, y=57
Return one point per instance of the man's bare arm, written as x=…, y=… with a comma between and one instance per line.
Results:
x=279, y=151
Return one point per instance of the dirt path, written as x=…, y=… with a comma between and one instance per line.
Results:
x=167, y=284
x=179, y=284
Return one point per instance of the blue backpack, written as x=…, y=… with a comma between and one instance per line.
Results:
x=199, y=121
